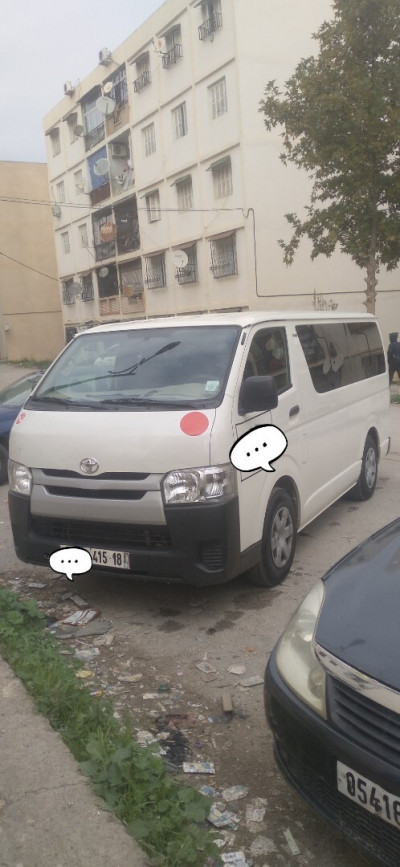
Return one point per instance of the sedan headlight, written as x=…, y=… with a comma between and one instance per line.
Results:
x=20, y=478
x=200, y=485
x=295, y=656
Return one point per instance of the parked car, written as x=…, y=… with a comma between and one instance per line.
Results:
x=11, y=400
x=332, y=696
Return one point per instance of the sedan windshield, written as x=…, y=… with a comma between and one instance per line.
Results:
x=142, y=368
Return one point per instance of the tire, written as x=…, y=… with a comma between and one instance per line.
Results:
x=278, y=542
x=3, y=465
x=366, y=484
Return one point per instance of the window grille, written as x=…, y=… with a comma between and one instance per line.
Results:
x=223, y=256
x=155, y=272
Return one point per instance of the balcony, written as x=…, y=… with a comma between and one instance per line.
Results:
x=172, y=56
x=143, y=81
x=110, y=306
x=210, y=26
x=122, y=182
x=128, y=238
x=94, y=137
x=100, y=194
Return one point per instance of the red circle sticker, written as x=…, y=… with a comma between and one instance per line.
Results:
x=194, y=423
x=20, y=417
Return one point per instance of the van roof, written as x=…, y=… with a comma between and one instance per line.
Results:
x=242, y=318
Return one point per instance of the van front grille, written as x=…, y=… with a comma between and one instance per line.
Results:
x=98, y=534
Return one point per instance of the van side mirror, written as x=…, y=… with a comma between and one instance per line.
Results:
x=258, y=394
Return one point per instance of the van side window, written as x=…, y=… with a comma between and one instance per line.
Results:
x=268, y=356
x=339, y=354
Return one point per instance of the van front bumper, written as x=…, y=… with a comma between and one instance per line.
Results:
x=199, y=544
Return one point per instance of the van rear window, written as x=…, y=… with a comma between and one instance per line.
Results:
x=339, y=354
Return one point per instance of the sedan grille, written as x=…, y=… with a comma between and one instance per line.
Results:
x=370, y=724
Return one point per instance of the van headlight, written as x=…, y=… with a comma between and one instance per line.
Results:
x=199, y=485
x=20, y=478
x=295, y=656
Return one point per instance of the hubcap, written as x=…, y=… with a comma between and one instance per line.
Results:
x=370, y=468
x=281, y=537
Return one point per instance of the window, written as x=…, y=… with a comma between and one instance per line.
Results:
x=83, y=234
x=155, y=272
x=212, y=19
x=131, y=276
x=339, y=354
x=68, y=294
x=219, y=104
x=153, y=206
x=179, y=120
x=268, y=356
x=173, y=47
x=222, y=178
x=87, y=287
x=72, y=122
x=188, y=273
x=143, y=73
x=55, y=141
x=107, y=283
x=79, y=182
x=119, y=90
x=223, y=255
x=93, y=120
x=149, y=139
x=184, y=192
x=60, y=192
x=65, y=242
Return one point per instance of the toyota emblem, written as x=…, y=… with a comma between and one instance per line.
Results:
x=89, y=466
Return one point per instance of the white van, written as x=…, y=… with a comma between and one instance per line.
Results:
x=124, y=446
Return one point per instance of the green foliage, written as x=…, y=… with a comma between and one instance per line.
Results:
x=340, y=113
x=160, y=813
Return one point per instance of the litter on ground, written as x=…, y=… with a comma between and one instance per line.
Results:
x=291, y=842
x=198, y=768
x=235, y=793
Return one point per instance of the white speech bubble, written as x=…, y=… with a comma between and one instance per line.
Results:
x=258, y=447
x=71, y=561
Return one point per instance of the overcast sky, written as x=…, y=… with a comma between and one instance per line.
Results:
x=44, y=43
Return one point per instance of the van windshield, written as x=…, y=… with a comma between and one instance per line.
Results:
x=149, y=367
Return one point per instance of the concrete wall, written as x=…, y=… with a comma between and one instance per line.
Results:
x=30, y=309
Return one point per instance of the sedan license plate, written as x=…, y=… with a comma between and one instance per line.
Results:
x=368, y=795
x=110, y=559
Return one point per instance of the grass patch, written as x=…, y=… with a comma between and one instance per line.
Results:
x=164, y=816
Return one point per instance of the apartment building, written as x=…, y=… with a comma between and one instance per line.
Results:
x=31, y=325
x=168, y=193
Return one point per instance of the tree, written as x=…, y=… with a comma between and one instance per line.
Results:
x=340, y=113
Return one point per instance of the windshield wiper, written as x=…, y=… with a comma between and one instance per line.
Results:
x=148, y=401
x=62, y=401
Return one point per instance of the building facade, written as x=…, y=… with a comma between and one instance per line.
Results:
x=31, y=325
x=168, y=193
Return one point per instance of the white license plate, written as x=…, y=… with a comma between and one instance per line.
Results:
x=368, y=795
x=110, y=559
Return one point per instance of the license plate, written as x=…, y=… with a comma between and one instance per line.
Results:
x=368, y=795
x=110, y=559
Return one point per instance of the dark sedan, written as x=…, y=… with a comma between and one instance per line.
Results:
x=332, y=696
x=11, y=400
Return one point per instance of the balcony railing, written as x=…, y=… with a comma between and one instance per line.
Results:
x=188, y=274
x=104, y=251
x=99, y=194
x=142, y=82
x=210, y=26
x=92, y=138
x=122, y=182
x=224, y=269
x=172, y=56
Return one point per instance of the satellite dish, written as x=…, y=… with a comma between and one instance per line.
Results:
x=108, y=87
x=79, y=129
x=105, y=105
x=101, y=167
x=179, y=258
x=104, y=272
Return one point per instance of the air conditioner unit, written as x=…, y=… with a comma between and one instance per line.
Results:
x=105, y=56
x=119, y=150
x=68, y=88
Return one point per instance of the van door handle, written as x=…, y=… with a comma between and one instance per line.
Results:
x=294, y=410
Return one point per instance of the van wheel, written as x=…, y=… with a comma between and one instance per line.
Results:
x=278, y=541
x=3, y=465
x=366, y=484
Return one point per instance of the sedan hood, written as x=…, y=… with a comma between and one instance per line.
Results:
x=360, y=618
